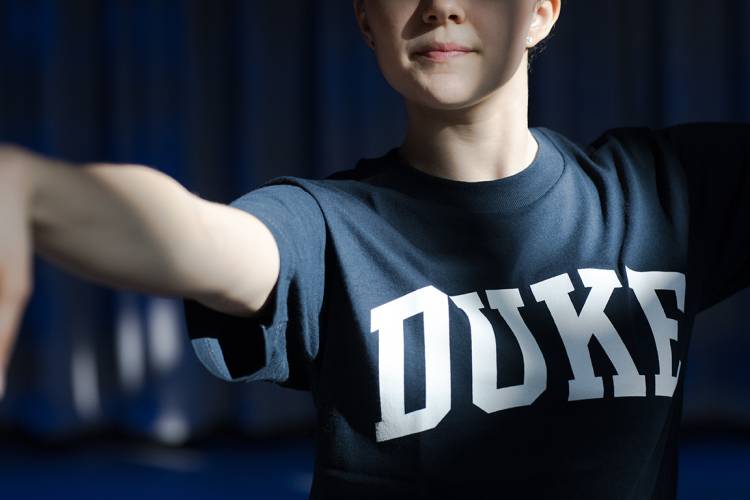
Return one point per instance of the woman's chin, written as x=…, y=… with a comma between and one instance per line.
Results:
x=448, y=99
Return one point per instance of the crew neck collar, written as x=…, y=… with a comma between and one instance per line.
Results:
x=498, y=195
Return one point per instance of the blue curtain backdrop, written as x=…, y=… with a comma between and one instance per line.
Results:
x=223, y=95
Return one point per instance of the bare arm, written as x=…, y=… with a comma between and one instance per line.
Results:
x=126, y=226
x=134, y=227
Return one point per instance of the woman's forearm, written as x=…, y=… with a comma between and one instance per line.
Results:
x=125, y=226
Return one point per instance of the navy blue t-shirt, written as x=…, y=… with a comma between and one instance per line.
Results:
x=524, y=337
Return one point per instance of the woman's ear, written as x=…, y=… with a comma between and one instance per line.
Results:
x=364, y=25
x=544, y=18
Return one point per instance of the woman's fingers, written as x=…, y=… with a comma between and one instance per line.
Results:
x=12, y=305
x=15, y=252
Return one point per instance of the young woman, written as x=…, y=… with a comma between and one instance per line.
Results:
x=485, y=311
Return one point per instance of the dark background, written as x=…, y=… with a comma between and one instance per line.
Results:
x=223, y=95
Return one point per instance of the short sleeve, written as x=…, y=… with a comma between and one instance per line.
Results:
x=279, y=345
x=716, y=160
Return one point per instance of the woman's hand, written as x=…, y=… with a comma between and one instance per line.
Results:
x=16, y=249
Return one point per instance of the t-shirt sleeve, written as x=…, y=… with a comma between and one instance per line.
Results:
x=716, y=161
x=279, y=345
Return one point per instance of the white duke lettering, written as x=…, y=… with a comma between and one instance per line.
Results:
x=575, y=330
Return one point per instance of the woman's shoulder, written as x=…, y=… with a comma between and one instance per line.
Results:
x=682, y=139
x=335, y=188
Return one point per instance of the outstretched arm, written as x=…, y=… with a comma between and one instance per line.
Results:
x=125, y=226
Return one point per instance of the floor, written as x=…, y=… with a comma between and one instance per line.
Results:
x=714, y=467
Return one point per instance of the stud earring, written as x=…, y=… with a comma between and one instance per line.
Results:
x=529, y=39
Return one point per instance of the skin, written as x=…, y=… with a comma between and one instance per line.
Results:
x=467, y=118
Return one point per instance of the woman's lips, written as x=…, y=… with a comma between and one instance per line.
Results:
x=443, y=55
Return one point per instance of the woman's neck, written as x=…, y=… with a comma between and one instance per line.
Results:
x=487, y=141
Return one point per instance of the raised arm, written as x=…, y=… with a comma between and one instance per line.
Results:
x=126, y=226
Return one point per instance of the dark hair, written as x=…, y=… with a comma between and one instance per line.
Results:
x=536, y=50
x=539, y=47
